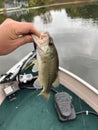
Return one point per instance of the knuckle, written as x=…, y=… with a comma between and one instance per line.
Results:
x=8, y=19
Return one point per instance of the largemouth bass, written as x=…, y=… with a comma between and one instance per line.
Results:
x=48, y=63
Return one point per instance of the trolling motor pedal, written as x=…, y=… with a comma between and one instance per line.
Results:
x=64, y=106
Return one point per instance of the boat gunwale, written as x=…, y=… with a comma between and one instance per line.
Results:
x=79, y=79
x=80, y=87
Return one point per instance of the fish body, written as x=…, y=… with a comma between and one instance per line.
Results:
x=48, y=64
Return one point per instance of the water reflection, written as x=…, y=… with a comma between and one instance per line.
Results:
x=46, y=17
x=75, y=33
x=15, y=3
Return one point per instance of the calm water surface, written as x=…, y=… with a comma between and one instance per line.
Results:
x=75, y=32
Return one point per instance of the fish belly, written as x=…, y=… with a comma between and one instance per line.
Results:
x=47, y=74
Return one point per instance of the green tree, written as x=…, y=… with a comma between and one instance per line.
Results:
x=1, y=4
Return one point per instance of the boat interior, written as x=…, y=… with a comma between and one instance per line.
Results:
x=25, y=109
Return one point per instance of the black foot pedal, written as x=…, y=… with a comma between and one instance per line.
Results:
x=64, y=106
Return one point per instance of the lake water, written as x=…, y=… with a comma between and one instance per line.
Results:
x=74, y=29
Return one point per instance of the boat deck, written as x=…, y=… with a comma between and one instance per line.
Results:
x=32, y=112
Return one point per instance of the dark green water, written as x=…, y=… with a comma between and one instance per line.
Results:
x=75, y=32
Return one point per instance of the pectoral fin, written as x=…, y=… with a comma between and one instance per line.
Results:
x=35, y=67
x=37, y=85
x=56, y=82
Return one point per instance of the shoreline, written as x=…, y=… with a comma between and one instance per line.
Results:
x=2, y=10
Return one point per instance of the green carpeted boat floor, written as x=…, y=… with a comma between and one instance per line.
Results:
x=32, y=112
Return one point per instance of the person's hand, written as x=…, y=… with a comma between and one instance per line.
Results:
x=14, y=34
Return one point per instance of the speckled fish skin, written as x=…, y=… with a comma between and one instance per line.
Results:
x=48, y=64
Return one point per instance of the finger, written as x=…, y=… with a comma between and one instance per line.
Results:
x=26, y=39
x=16, y=43
x=23, y=40
x=26, y=28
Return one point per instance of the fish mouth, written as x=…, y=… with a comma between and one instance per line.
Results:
x=43, y=40
x=43, y=43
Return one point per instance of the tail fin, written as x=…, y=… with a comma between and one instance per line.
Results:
x=46, y=95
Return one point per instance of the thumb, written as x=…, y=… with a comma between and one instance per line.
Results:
x=24, y=40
